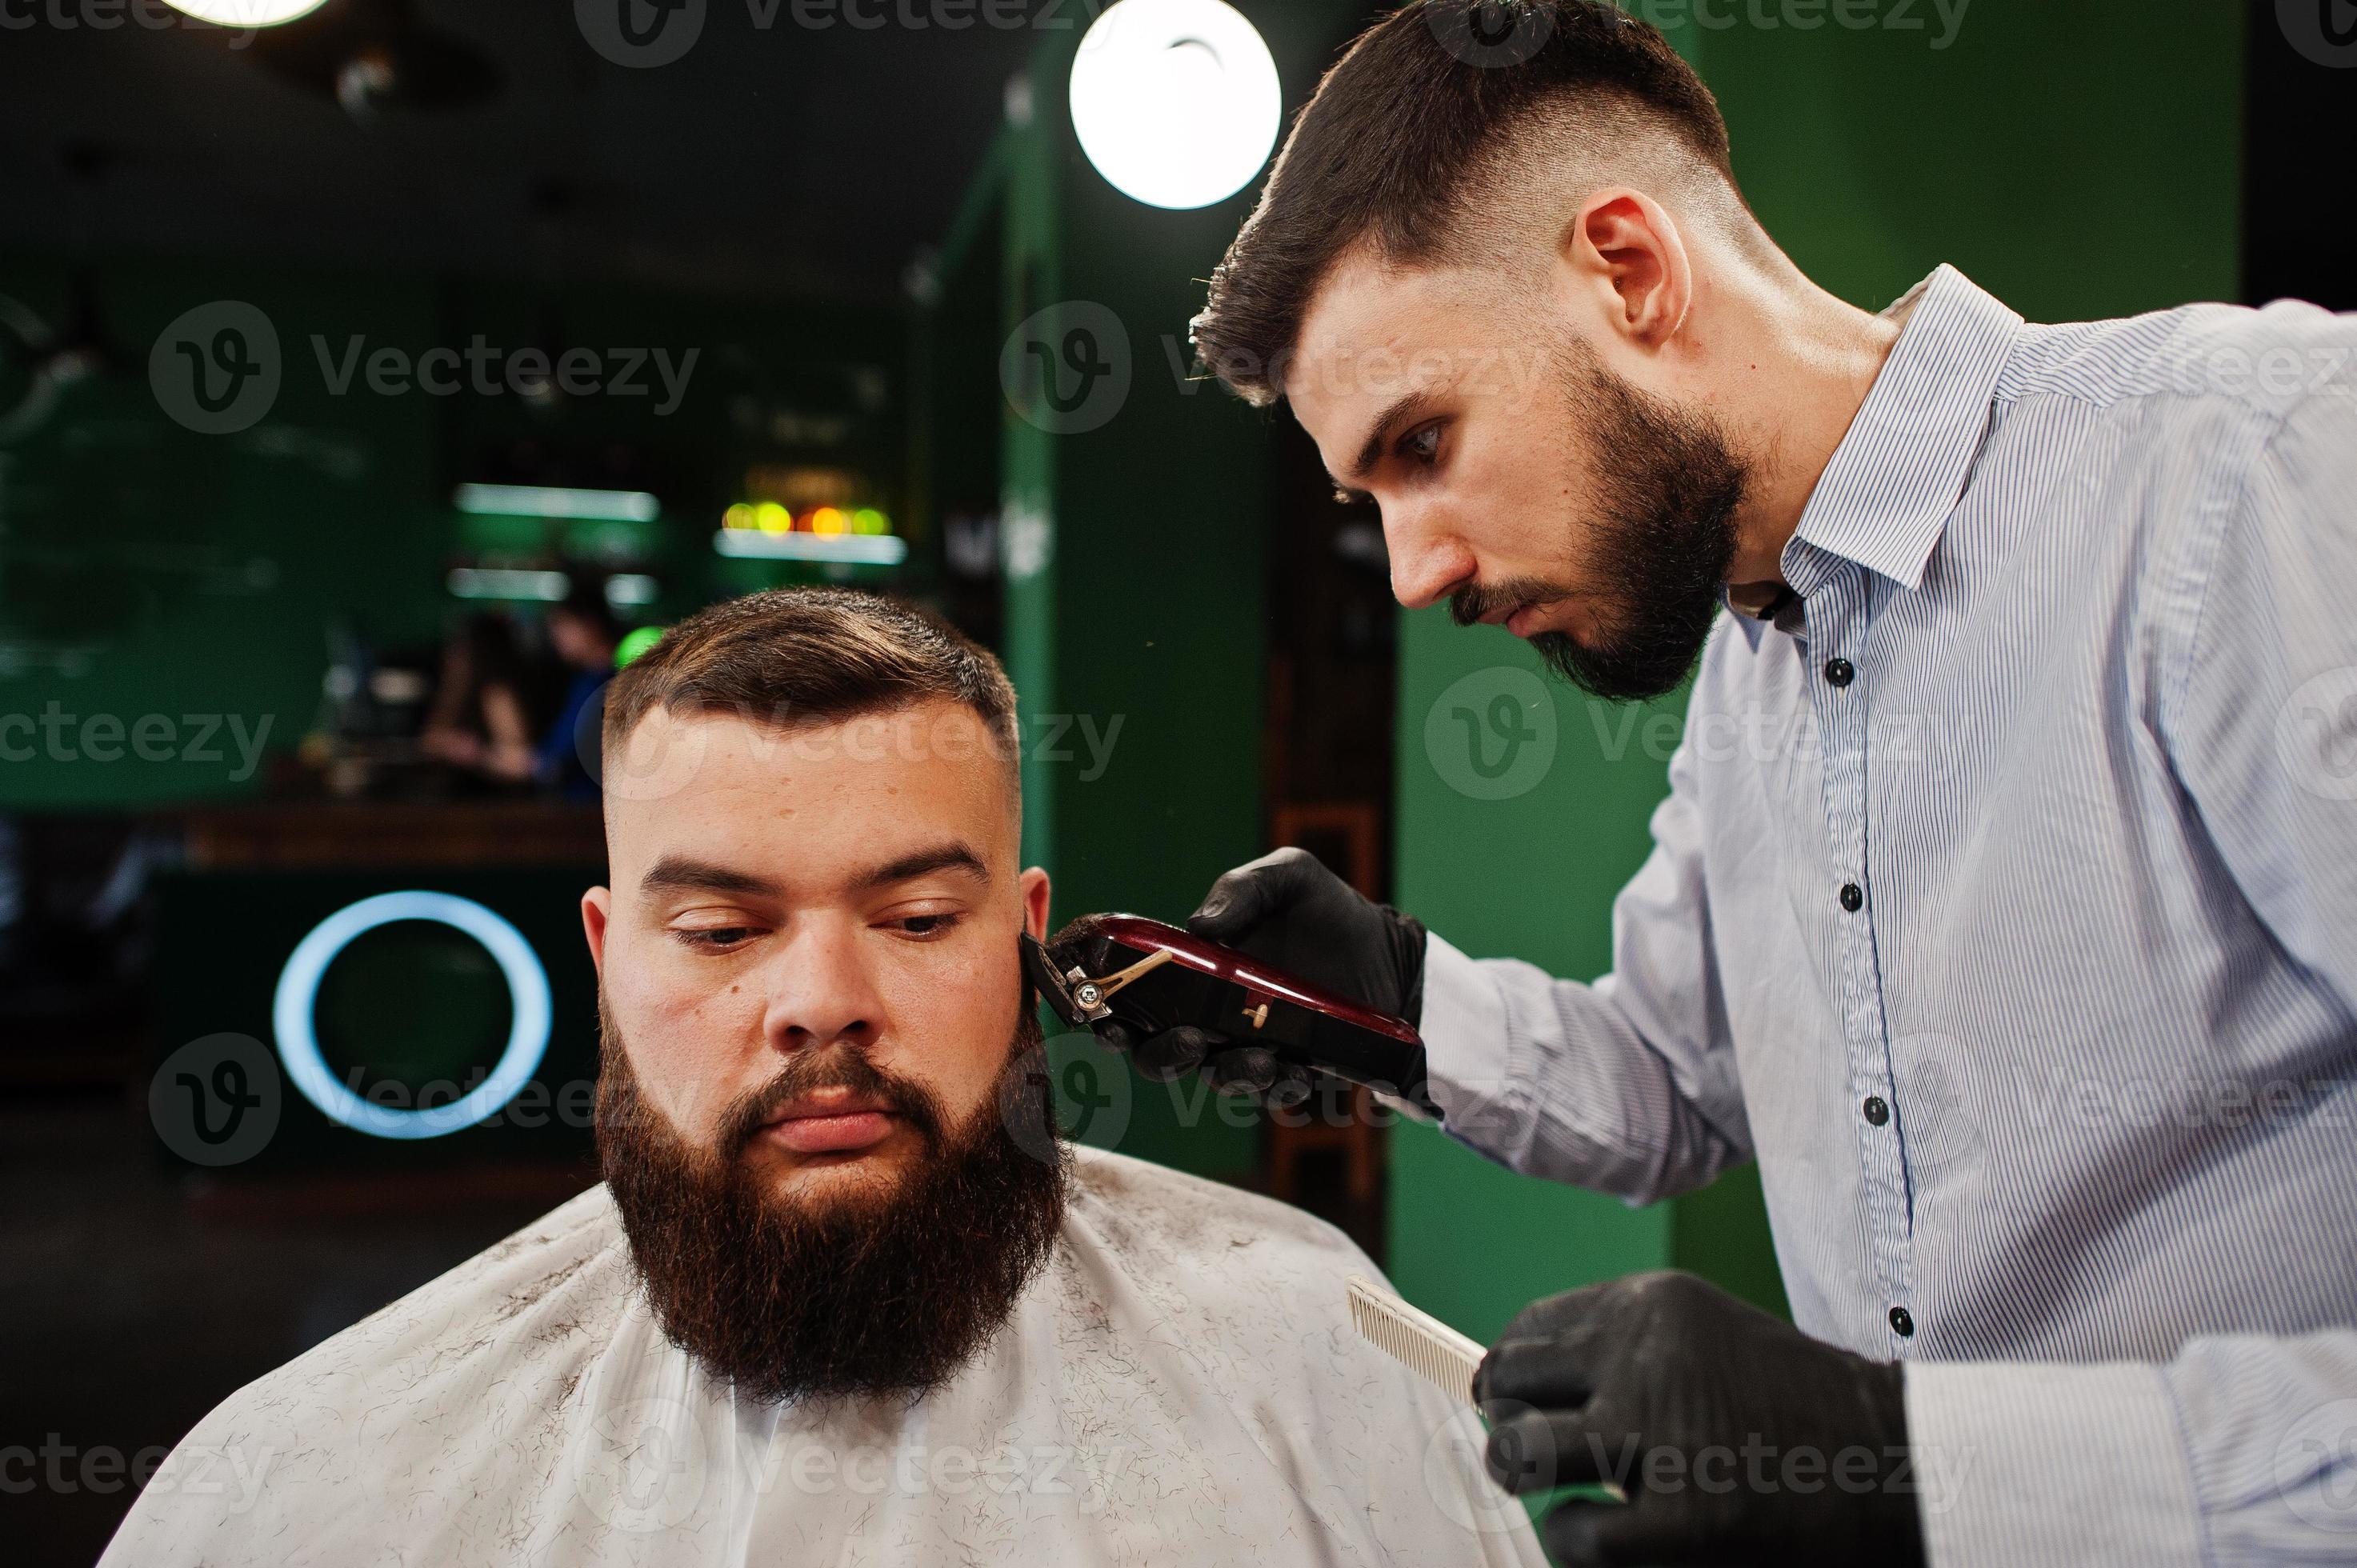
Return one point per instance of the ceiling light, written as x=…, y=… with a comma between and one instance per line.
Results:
x=247, y=13
x=1175, y=102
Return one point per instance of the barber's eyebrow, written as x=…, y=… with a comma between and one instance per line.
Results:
x=1370, y=451
x=951, y=856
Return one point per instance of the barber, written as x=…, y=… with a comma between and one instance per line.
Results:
x=2021, y=954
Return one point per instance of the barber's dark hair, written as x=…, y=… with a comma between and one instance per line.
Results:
x=1418, y=105
x=792, y=656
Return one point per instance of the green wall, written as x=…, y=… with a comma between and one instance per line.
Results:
x=149, y=569
x=2079, y=160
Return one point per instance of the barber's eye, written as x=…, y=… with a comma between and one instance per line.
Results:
x=1421, y=445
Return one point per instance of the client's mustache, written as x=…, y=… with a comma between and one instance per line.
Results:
x=841, y=1068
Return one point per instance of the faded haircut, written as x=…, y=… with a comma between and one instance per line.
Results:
x=1452, y=132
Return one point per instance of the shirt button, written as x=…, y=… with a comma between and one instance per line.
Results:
x=1901, y=1323
x=1877, y=1112
x=1853, y=897
x=1840, y=671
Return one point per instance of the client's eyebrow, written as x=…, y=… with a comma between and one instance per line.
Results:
x=682, y=874
x=951, y=856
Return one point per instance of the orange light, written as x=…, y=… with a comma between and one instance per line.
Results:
x=827, y=520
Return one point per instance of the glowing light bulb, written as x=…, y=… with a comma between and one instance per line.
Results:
x=247, y=13
x=738, y=516
x=771, y=518
x=1175, y=102
x=826, y=519
x=868, y=520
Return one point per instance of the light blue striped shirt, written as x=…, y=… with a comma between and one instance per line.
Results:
x=2071, y=1093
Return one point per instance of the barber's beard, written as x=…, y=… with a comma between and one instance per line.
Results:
x=1660, y=541
x=872, y=1292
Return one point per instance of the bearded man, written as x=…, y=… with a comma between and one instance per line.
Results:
x=846, y=1296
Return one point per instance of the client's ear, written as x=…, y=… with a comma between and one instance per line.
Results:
x=1034, y=884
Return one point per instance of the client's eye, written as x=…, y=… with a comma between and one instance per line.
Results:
x=715, y=938
x=935, y=925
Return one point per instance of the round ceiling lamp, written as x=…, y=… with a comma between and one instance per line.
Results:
x=247, y=13
x=1175, y=102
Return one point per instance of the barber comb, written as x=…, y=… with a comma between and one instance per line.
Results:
x=1126, y=977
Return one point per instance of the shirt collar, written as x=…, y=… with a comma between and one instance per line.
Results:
x=1899, y=472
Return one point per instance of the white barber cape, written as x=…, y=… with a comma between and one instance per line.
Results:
x=1181, y=1384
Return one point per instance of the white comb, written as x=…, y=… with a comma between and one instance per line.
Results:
x=1421, y=1341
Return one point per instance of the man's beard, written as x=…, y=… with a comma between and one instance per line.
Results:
x=1666, y=489
x=871, y=1293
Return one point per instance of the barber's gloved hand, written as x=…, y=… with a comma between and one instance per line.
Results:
x=1286, y=909
x=1737, y=1438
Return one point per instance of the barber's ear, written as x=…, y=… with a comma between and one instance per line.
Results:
x=1034, y=884
x=1626, y=245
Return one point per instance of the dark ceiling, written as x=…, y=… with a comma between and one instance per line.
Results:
x=777, y=160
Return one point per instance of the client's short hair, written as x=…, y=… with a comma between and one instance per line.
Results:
x=793, y=656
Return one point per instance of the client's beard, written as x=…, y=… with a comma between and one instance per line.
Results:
x=869, y=1294
x=1667, y=486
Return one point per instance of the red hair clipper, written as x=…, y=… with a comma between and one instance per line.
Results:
x=1126, y=978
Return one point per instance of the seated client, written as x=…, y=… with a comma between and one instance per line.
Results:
x=846, y=1295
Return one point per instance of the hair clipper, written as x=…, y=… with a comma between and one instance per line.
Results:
x=1126, y=978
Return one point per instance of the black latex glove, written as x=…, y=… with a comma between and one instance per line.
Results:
x=1735, y=1437
x=1286, y=909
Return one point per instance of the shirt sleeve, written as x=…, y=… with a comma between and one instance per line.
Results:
x=2242, y=1448
x=1627, y=1085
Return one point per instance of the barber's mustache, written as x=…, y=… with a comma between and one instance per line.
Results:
x=1470, y=605
x=841, y=1067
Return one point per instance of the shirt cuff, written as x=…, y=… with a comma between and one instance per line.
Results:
x=2031, y=1463
x=1468, y=1046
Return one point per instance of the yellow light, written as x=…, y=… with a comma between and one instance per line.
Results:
x=738, y=516
x=868, y=520
x=826, y=519
x=773, y=517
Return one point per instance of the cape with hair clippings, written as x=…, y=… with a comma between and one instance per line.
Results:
x=1180, y=1384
